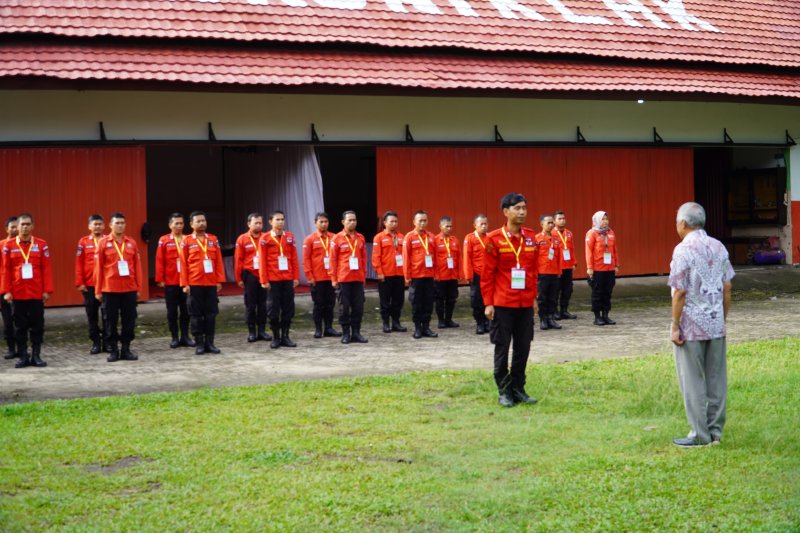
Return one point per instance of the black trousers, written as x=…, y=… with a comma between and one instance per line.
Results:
x=203, y=304
x=390, y=291
x=420, y=296
x=602, y=284
x=255, y=300
x=8, y=322
x=511, y=327
x=324, y=297
x=445, y=296
x=565, y=288
x=176, y=301
x=476, y=300
x=280, y=303
x=28, y=319
x=120, y=307
x=351, y=303
x=547, y=287
x=95, y=312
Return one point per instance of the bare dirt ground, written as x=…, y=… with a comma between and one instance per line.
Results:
x=766, y=306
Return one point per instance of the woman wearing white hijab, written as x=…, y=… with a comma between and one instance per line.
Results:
x=602, y=264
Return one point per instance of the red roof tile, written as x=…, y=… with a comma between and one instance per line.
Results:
x=724, y=31
x=288, y=68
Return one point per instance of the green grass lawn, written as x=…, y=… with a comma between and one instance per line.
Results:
x=417, y=452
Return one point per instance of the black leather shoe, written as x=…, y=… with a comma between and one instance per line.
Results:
x=23, y=360
x=345, y=335
x=598, y=321
x=251, y=334
x=276, y=342
x=358, y=337
x=126, y=354
x=686, y=442
x=186, y=341
x=505, y=400
x=480, y=329
x=200, y=345
x=553, y=323
x=451, y=324
x=397, y=326
x=608, y=320
x=417, y=332
x=210, y=348
x=95, y=349
x=544, y=324
x=174, y=343
x=428, y=332
x=330, y=332
x=10, y=355
x=442, y=325
x=566, y=315
x=386, y=327
x=520, y=396
x=263, y=335
x=113, y=356
x=285, y=340
x=317, y=333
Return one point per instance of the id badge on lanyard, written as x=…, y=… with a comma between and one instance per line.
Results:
x=283, y=262
x=517, y=278
x=27, y=271
x=178, y=262
x=398, y=260
x=255, y=262
x=326, y=262
x=607, y=258
x=208, y=266
x=450, y=263
x=122, y=268
x=353, y=263
x=567, y=255
x=551, y=253
x=428, y=261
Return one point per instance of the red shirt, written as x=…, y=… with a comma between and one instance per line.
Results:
x=247, y=247
x=316, y=248
x=344, y=247
x=84, y=260
x=385, y=249
x=567, y=241
x=13, y=257
x=596, y=247
x=415, y=248
x=271, y=246
x=194, y=252
x=550, y=256
x=168, y=260
x=107, y=276
x=474, y=251
x=500, y=259
x=443, y=270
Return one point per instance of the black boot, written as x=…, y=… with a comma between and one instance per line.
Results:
x=417, y=330
x=11, y=353
x=566, y=315
x=480, y=328
x=520, y=396
x=598, y=320
x=448, y=316
x=209, y=347
x=251, y=334
x=317, y=329
x=96, y=346
x=357, y=336
x=276, y=339
x=427, y=331
x=608, y=320
x=285, y=340
x=506, y=398
x=552, y=321
x=543, y=322
x=113, y=352
x=386, y=327
x=262, y=333
x=36, y=360
x=345, y=334
x=200, y=344
x=186, y=341
x=442, y=325
x=397, y=326
x=174, y=343
x=329, y=331
x=126, y=354
x=22, y=353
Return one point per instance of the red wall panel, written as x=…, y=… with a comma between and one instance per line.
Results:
x=61, y=187
x=640, y=188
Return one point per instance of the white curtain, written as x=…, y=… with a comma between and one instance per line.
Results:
x=263, y=179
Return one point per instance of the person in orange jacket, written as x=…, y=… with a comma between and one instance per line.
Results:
x=27, y=283
x=387, y=260
x=474, y=250
x=117, y=282
x=5, y=307
x=317, y=265
x=168, y=277
x=549, y=272
x=84, y=280
x=567, y=240
x=348, y=274
x=202, y=276
x=419, y=270
x=508, y=285
x=448, y=273
x=280, y=275
x=246, y=268
x=602, y=265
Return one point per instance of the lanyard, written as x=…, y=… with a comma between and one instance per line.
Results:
x=447, y=245
x=563, y=237
x=202, y=246
x=477, y=236
x=351, y=245
x=394, y=241
x=423, y=243
x=521, y=243
x=96, y=242
x=325, y=244
x=280, y=242
x=178, y=246
x=24, y=255
x=254, y=243
x=605, y=238
x=119, y=251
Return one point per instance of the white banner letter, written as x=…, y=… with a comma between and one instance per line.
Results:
x=463, y=8
x=578, y=19
x=507, y=8
x=675, y=9
x=635, y=6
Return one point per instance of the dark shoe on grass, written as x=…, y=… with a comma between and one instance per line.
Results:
x=505, y=400
x=687, y=442
x=520, y=396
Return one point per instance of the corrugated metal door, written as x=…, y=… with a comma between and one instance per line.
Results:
x=61, y=187
x=641, y=188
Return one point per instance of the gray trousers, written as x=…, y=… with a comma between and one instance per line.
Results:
x=702, y=375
